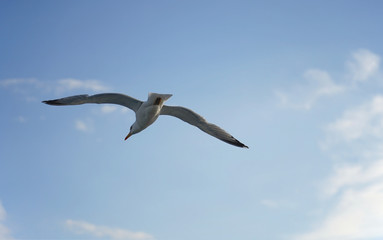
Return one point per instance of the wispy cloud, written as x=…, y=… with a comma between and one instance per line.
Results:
x=356, y=190
x=361, y=122
x=318, y=84
x=20, y=81
x=70, y=84
x=358, y=212
x=4, y=231
x=3, y=214
x=108, y=108
x=82, y=227
x=23, y=86
x=61, y=86
x=269, y=203
x=84, y=125
x=351, y=175
x=21, y=119
x=362, y=65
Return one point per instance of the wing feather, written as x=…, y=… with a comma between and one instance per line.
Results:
x=197, y=120
x=113, y=98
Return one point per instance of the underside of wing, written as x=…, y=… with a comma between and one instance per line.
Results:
x=113, y=98
x=195, y=119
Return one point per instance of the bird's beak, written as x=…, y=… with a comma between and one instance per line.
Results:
x=130, y=134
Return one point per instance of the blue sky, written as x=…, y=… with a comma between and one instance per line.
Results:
x=299, y=82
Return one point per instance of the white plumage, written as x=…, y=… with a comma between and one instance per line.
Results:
x=148, y=112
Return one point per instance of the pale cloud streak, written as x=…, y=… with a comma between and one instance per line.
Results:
x=70, y=84
x=358, y=212
x=61, y=86
x=4, y=231
x=23, y=86
x=85, y=228
x=355, y=189
x=108, y=108
x=84, y=125
x=21, y=119
x=353, y=175
x=20, y=81
x=318, y=84
x=3, y=214
x=363, y=65
x=361, y=122
x=269, y=203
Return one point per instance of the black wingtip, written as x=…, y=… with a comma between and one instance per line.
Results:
x=242, y=145
x=236, y=143
x=52, y=102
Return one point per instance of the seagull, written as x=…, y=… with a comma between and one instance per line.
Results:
x=148, y=112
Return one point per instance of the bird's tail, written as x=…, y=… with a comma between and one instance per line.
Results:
x=157, y=97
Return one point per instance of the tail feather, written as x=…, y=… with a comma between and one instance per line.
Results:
x=153, y=96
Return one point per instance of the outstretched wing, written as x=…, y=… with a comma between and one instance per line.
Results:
x=114, y=98
x=194, y=119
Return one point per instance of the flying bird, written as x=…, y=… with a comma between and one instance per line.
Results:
x=148, y=112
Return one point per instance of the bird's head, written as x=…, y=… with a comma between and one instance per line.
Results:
x=133, y=130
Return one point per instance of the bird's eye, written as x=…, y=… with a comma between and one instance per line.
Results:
x=131, y=128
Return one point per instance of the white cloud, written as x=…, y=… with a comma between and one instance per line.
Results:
x=356, y=190
x=319, y=84
x=84, y=125
x=353, y=175
x=23, y=86
x=81, y=126
x=82, y=227
x=363, y=121
x=269, y=203
x=61, y=86
x=70, y=84
x=4, y=231
x=108, y=108
x=21, y=119
x=3, y=214
x=358, y=213
x=19, y=81
x=363, y=65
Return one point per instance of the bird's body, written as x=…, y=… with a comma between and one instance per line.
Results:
x=147, y=112
x=147, y=115
x=150, y=110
